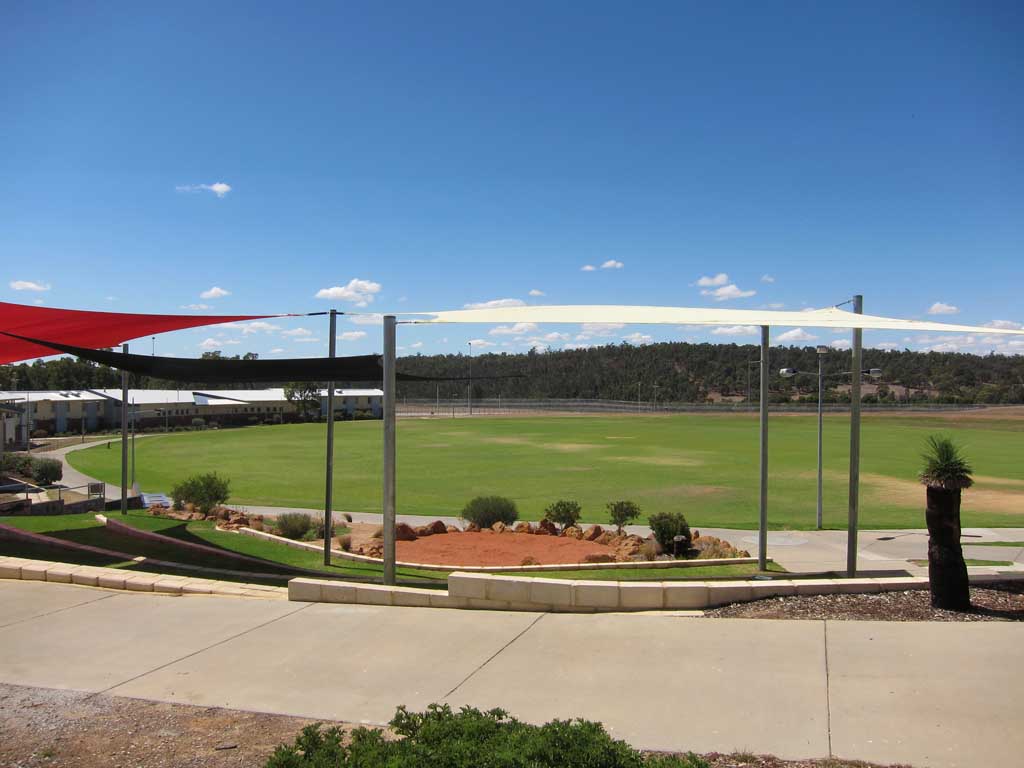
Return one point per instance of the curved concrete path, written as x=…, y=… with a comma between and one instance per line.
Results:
x=796, y=551
x=885, y=692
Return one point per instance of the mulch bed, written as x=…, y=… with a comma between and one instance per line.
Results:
x=487, y=548
x=1002, y=601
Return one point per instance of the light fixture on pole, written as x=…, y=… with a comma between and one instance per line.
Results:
x=469, y=390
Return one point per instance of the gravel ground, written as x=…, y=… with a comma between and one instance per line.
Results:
x=46, y=727
x=996, y=602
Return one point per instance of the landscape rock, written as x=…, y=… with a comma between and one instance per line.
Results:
x=424, y=530
x=499, y=527
x=530, y=560
x=472, y=528
x=605, y=538
x=452, y=529
x=437, y=527
x=547, y=528
x=523, y=527
x=573, y=532
x=404, y=532
x=591, y=533
x=599, y=557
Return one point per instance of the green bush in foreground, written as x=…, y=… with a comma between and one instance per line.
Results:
x=563, y=513
x=205, y=492
x=666, y=526
x=470, y=739
x=485, y=511
x=622, y=513
x=47, y=471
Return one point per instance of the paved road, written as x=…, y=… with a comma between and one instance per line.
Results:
x=796, y=551
x=928, y=694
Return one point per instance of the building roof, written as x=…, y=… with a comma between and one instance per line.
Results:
x=69, y=395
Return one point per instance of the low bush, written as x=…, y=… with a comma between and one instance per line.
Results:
x=294, y=525
x=622, y=513
x=470, y=738
x=346, y=543
x=18, y=463
x=563, y=513
x=47, y=471
x=666, y=526
x=198, y=423
x=205, y=492
x=485, y=511
x=39, y=433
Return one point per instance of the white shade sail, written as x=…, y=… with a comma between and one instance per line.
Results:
x=832, y=317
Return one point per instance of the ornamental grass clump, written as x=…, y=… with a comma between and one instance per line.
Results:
x=294, y=525
x=485, y=511
x=945, y=474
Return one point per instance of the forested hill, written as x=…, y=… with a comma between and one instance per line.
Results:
x=677, y=372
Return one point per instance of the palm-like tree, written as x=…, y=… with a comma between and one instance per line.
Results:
x=945, y=474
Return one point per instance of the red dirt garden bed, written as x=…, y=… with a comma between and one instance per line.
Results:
x=489, y=548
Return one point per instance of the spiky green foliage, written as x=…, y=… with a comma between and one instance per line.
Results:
x=471, y=739
x=945, y=465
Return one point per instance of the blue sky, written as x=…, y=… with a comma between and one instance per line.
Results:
x=429, y=156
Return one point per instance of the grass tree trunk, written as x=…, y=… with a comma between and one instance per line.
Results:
x=947, y=572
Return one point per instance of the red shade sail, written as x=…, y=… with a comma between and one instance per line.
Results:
x=88, y=329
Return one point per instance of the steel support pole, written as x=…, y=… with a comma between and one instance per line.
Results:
x=762, y=525
x=124, y=437
x=389, y=450
x=821, y=391
x=332, y=345
x=855, y=374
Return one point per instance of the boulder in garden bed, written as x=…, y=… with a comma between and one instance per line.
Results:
x=499, y=527
x=599, y=557
x=530, y=560
x=604, y=538
x=452, y=529
x=591, y=533
x=547, y=528
x=472, y=528
x=404, y=532
x=423, y=530
x=438, y=527
x=523, y=527
x=573, y=532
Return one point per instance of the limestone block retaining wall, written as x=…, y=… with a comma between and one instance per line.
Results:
x=521, y=593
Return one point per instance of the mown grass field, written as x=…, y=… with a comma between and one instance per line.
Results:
x=704, y=465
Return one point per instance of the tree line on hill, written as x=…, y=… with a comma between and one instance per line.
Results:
x=665, y=372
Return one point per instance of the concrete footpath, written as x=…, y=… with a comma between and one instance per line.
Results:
x=927, y=694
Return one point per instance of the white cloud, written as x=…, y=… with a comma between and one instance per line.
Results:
x=496, y=304
x=590, y=330
x=374, y=318
x=306, y=340
x=297, y=332
x=555, y=336
x=577, y=346
x=256, y=326
x=638, y=338
x=797, y=334
x=880, y=345
x=735, y=330
x=938, y=308
x=416, y=345
x=588, y=268
x=214, y=293
x=710, y=282
x=1007, y=325
x=28, y=285
x=359, y=292
x=211, y=344
x=352, y=335
x=519, y=329
x=841, y=344
x=776, y=305
x=612, y=264
x=276, y=350
x=767, y=279
x=196, y=307
x=482, y=343
x=727, y=292
x=219, y=188
x=537, y=292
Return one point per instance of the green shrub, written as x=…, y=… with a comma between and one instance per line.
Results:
x=205, y=492
x=485, y=511
x=294, y=525
x=666, y=526
x=198, y=422
x=47, y=471
x=17, y=463
x=39, y=433
x=563, y=512
x=470, y=739
x=622, y=513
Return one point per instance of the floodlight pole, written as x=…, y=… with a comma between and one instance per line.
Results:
x=389, y=450
x=329, y=471
x=856, y=368
x=124, y=436
x=762, y=526
x=821, y=391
